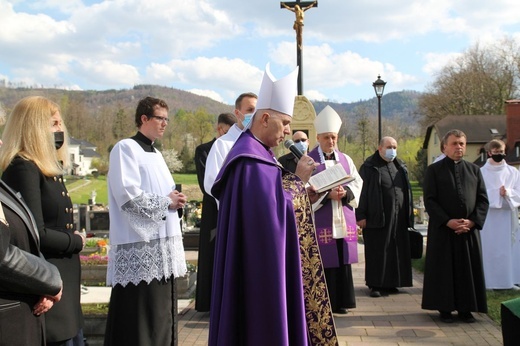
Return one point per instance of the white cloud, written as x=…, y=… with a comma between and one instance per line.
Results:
x=20, y=28
x=326, y=68
x=160, y=73
x=108, y=73
x=232, y=76
x=221, y=47
x=314, y=95
x=435, y=62
x=208, y=93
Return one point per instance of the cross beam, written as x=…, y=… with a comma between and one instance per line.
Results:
x=298, y=2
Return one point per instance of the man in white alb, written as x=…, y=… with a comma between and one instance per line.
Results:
x=500, y=235
x=245, y=106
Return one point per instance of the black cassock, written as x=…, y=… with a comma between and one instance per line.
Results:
x=206, y=243
x=386, y=205
x=454, y=275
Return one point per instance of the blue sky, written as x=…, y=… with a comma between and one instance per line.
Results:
x=219, y=48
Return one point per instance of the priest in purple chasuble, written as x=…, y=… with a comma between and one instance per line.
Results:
x=268, y=284
x=334, y=214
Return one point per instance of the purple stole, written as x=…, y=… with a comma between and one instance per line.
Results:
x=323, y=220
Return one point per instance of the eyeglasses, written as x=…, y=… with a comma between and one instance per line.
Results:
x=167, y=120
x=300, y=140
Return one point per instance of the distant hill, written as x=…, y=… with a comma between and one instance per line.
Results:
x=124, y=98
x=394, y=106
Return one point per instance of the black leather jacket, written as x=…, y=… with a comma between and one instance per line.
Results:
x=23, y=271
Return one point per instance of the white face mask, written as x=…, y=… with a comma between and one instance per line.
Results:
x=302, y=146
x=390, y=154
x=247, y=119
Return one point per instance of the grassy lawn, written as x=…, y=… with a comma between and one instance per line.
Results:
x=416, y=190
x=185, y=179
x=494, y=298
x=81, y=189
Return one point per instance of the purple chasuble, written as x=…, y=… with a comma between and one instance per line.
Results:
x=323, y=220
x=257, y=295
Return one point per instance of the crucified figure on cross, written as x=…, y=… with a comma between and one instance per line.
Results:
x=298, y=22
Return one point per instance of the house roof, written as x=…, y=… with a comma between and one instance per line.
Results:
x=90, y=153
x=74, y=141
x=81, y=143
x=478, y=128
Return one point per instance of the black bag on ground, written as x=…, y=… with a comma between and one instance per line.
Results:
x=416, y=243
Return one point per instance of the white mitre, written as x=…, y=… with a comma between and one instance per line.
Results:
x=277, y=95
x=327, y=121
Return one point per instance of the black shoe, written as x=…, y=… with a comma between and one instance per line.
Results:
x=446, y=317
x=374, y=293
x=466, y=317
x=391, y=290
x=341, y=311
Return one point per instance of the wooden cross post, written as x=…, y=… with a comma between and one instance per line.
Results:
x=299, y=7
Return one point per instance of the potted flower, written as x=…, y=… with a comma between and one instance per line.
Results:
x=94, y=265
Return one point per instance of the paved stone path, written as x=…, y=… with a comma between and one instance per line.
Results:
x=393, y=320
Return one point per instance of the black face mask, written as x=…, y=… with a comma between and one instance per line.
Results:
x=58, y=139
x=498, y=157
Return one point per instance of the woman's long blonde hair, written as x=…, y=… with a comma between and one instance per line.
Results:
x=27, y=134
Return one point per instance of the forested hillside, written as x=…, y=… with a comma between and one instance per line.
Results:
x=104, y=117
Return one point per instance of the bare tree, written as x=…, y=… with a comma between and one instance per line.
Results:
x=476, y=83
x=364, y=133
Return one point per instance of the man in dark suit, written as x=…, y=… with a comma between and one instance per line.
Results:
x=208, y=219
x=289, y=161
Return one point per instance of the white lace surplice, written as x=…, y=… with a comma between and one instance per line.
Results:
x=145, y=236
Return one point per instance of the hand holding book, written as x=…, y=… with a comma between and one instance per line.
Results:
x=330, y=178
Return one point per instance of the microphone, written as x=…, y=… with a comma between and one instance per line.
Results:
x=289, y=144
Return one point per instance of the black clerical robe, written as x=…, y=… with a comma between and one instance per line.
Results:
x=386, y=205
x=454, y=276
x=289, y=162
x=207, y=227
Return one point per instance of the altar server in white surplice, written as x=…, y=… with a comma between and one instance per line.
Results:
x=146, y=252
x=500, y=234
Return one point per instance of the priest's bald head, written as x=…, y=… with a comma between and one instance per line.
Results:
x=274, y=109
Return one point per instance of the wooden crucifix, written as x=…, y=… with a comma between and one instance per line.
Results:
x=299, y=7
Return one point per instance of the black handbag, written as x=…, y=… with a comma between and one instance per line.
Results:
x=416, y=243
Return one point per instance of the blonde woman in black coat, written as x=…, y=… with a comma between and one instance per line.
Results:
x=32, y=157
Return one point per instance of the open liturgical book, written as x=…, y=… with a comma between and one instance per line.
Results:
x=330, y=178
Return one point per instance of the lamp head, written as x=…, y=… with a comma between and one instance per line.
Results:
x=379, y=86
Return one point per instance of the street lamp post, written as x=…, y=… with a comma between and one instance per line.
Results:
x=379, y=88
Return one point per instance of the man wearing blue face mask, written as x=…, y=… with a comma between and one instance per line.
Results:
x=245, y=106
x=289, y=161
x=384, y=213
